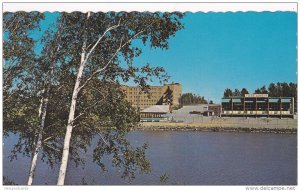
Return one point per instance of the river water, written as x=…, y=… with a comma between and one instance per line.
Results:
x=185, y=158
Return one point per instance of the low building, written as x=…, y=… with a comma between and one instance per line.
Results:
x=195, y=113
x=137, y=98
x=206, y=113
x=155, y=113
x=216, y=108
x=258, y=105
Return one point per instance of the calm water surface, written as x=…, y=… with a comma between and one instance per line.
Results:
x=192, y=158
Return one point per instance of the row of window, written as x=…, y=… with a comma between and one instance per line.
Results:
x=258, y=107
x=139, y=89
x=144, y=101
x=139, y=92
x=152, y=115
x=142, y=105
x=143, y=97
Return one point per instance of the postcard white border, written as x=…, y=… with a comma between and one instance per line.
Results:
x=154, y=5
x=150, y=6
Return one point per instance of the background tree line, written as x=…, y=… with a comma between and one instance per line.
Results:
x=274, y=90
x=191, y=99
x=60, y=99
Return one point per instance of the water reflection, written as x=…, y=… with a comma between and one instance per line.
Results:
x=107, y=151
x=193, y=158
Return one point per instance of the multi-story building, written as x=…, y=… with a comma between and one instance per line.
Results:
x=137, y=98
x=258, y=105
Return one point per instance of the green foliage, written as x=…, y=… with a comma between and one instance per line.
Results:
x=20, y=87
x=191, y=99
x=102, y=112
x=262, y=90
x=274, y=90
x=228, y=92
x=154, y=30
x=18, y=52
x=236, y=93
x=244, y=91
x=6, y=181
x=164, y=178
x=282, y=90
x=168, y=97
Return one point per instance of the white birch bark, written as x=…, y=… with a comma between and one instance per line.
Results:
x=65, y=156
x=42, y=103
x=84, y=58
x=42, y=113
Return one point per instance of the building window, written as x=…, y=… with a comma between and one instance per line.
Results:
x=262, y=106
x=274, y=106
x=226, y=106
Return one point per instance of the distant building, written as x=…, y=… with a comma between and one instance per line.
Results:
x=216, y=108
x=203, y=109
x=155, y=113
x=258, y=105
x=137, y=98
x=195, y=113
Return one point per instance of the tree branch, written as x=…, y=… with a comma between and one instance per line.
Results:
x=6, y=99
x=16, y=27
x=47, y=138
x=99, y=39
x=99, y=135
x=103, y=139
x=99, y=92
x=9, y=25
x=51, y=147
x=86, y=109
x=111, y=59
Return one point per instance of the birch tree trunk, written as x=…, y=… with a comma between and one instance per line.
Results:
x=42, y=113
x=65, y=156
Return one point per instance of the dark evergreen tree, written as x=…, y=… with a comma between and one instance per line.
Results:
x=272, y=90
x=244, y=91
x=228, y=92
x=168, y=98
x=191, y=99
x=237, y=93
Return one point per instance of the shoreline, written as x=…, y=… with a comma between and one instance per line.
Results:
x=172, y=126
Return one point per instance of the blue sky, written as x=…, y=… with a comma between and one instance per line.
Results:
x=227, y=50
x=230, y=50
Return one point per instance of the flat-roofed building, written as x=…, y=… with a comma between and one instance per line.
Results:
x=258, y=105
x=155, y=113
x=137, y=98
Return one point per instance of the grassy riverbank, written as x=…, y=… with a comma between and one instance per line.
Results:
x=227, y=124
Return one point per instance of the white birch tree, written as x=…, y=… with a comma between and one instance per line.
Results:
x=87, y=69
x=50, y=58
x=125, y=27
